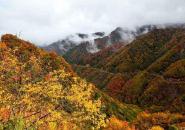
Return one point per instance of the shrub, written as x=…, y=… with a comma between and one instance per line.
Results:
x=116, y=124
x=173, y=127
x=146, y=120
x=156, y=128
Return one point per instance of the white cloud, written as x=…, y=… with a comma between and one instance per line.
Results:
x=44, y=21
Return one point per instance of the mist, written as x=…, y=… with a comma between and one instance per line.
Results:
x=45, y=21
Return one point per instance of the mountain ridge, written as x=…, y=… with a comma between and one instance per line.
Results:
x=143, y=62
x=37, y=87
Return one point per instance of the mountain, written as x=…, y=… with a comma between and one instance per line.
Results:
x=89, y=49
x=37, y=87
x=107, y=45
x=80, y=54
x=148, y=72
x=83, y=48
x=39, y=90
x=92, y=43
x=100, y=40
x=71, y=41
x=144, y=67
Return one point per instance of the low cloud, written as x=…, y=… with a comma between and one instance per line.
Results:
x=44, y=21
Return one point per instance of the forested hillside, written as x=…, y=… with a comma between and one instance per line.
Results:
x=151, y=58
x=39, y=90
x=92, y=65
x=149, y=72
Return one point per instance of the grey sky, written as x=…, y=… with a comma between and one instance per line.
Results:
x=44, y=21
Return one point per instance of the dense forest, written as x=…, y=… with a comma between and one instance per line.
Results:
x=38, y=90
x=92, y=64
x=148, y=72
x=134, y=89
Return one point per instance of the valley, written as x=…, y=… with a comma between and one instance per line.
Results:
x=148, y=71
x=136, y=84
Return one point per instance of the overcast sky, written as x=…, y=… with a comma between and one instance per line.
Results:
x=44, y=21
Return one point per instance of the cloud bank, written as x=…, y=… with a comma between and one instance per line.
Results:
x=44, y=21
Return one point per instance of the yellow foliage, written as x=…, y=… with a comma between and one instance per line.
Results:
x=60, y=101
x=156, y=128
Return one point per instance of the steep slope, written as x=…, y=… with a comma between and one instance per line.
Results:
x=76, y=47
x=96, y=76
x=24, y=50
x=151, y=89
x=104, y=46
x=110, y=83
x=90, y=49
x=79, y=54
x=145, y=65
x=91, y=52
x=99, y=40
x=39, y=90
x=140, y=53
x=71, y=41
x=150, y=84
x=96, y=40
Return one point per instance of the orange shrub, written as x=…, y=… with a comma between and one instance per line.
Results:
x=116, y=124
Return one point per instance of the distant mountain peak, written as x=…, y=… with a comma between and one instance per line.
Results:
x=100, y=40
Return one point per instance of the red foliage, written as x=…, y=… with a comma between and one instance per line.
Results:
x=5, y=114
x=116, y=84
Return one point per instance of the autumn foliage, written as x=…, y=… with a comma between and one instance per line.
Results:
x=116, y=124
x=38, y=90
x=116, y=84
